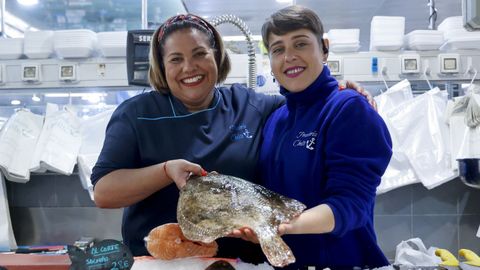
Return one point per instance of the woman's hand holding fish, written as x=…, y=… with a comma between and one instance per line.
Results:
x=179, y=170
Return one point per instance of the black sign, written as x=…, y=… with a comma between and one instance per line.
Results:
x=138, y=48
x=107, y=254
x=143, y=38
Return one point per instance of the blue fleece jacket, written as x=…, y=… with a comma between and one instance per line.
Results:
x=329, y=147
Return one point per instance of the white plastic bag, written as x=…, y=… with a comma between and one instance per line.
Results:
x=393, y=97
x=17, y=139
x=7, y=239
x=413, y=252
x=470, y=147
x=472, y=114
x=60, y=141
x=93, y=135
x=399, y=171
x=423, y=136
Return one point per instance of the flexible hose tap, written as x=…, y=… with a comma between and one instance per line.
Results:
x=252, y=68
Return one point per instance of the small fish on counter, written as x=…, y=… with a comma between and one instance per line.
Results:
x=167, y=242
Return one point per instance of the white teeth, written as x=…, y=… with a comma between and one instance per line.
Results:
x=192, y=79
x=295, y=70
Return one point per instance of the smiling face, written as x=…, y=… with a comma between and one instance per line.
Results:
x=190, y=68
x=296, y=58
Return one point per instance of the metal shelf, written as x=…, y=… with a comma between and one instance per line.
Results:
x=359, y=66
x=89, y=73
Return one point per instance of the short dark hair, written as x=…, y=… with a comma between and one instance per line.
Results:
x=156, y=72
x=290, y=19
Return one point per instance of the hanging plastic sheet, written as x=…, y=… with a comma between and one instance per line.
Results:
x=472, y=113
x=399, y=171
x=50, y=109
x=455, y=118
x=423, y=136
x=463, y=115
x=93, y=135
x=7, y=239
x=470, y=146
x=17, y=139
x=59, y=143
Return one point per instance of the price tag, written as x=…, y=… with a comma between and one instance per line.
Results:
x=106, y=254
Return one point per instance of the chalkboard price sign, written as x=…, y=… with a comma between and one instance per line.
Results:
x=105, y=255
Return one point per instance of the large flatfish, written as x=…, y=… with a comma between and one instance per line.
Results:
x=213, y=206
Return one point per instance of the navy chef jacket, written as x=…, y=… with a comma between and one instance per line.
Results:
x=153, y=127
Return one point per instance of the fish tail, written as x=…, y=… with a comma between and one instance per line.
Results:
x=276, y=250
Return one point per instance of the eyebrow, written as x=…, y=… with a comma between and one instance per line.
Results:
x=199, y=48
x=294, y=37
x=180, y=54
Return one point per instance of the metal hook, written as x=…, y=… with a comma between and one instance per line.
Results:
x=474, y=77
x=382, y=72
x=425, y=73
x=69, y=98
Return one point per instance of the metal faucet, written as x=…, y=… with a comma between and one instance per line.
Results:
x=252, y=72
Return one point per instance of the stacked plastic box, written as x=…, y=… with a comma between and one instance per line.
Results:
x=424, y=40
x=112, y=44
x=344, y=40
x=78, y=43
x=386, y=33
x=38, y=44
x=11, y=48
x=456, y=37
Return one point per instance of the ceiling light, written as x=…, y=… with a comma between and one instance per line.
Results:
x=285, y=1
x=35, y=98
x=75, y=94
x=27, y=2
x=91, y=98
x=14, y=27
x=15, y=102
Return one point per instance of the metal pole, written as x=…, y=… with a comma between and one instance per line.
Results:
x=433, y=15
x=144, y=14
x=2, y=18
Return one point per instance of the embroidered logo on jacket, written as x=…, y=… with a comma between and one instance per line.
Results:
x=240, y=132
x=305, y=139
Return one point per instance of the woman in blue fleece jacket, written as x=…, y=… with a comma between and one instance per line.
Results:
x=325, y=148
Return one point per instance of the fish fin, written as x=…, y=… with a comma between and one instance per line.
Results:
x=275, y=249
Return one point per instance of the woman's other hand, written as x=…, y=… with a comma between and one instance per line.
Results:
x=246, y=234
x=179, y=170
x=344, y=84
x=284, y=228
